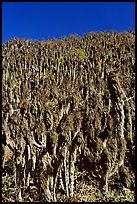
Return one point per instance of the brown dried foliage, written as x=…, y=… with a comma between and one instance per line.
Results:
x=68, y=106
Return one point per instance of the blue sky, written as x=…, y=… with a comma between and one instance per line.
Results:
x=44, y=20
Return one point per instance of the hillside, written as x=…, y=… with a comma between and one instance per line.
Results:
x=68, y=118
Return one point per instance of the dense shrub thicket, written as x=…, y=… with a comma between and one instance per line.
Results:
x=68, y=107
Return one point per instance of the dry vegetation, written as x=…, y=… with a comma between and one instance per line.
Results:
x=68, y=118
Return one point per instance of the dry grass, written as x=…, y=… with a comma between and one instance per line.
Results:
x=86, y=190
